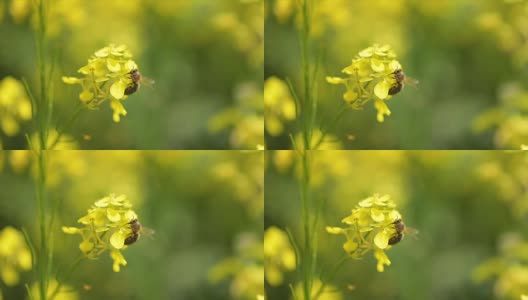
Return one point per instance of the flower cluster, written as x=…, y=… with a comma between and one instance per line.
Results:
x=370, y=227
x=370, y=76
x=14, y=255
x=107, y=76
x=279, y=255
x=15, y=105
x=106, y=226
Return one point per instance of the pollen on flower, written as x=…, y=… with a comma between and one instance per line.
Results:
x=106, y=226
x=370, y=226
x=371, y=76
x=106, y=76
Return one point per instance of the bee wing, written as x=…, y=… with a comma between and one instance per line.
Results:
x=411, y=231
x=411, y=81
x=147, y=231
x=147, y=81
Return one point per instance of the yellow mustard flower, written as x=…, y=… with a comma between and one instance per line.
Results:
x=279, y=105
x=524, y=297
x=279, y=255
x=372, y=75
x=14, y=255
x=108, y=225
x=374, y=224
x=15, y=106
x=65, y=292
x=109, y=75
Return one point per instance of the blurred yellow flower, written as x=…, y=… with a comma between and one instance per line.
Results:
x=14, y=255
x=246, y=119
x=371, y=76
x=65, y=292
x=244, y=24
x=246, y=268
x=20, y=9
x=107, y=76
x=509, y=268
x=107, y=226
x=279, y=105
x=15, y=106
x=329, y=292
x=371, y=226
x=279, y=255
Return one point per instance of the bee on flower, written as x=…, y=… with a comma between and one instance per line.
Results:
x=375, y=74
x=110, y=74
x=374, y=224
x=110, y=224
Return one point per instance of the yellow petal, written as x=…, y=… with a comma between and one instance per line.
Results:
x=71, y=80
x=381, y=240
x=86, y=96
x=334, y=230
x=118, y=109
x=382, y=109
x=70, y=230
x=113, y=215
x=350, y=246
x=117, y=90
x=377, y=215
x=102, y=52
x=350, y=96
x=113, y=65
x=381, y=90
x=335, y=80
x=377, y=65
x=118, y=239
x=86, y=246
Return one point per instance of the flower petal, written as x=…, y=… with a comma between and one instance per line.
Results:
x=381, y=240
x=117, y=240
x=117, y=90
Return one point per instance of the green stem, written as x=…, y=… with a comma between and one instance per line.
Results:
x=307, y=261
x=307, y=105
x=41, y=202
x=44, y=109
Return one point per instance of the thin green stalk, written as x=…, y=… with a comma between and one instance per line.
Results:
x=307, y=105
x=41, y=202
x=43, y=116
x=306, y=211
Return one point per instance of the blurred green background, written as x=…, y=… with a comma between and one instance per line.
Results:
x=205, y=207
x=198, y=52
x=470, y=208
x=464, y=53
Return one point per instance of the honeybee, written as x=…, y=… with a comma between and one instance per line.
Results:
x=401, y=230
x=137, y=229
x=137, y=79
x=401, y=80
